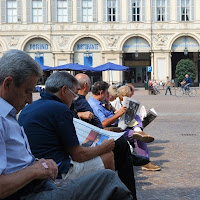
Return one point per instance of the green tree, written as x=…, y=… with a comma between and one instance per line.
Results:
x=183, y=67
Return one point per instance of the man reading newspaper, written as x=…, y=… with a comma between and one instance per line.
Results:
x=49, y=126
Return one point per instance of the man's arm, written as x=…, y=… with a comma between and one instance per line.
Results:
x=86, y=115
x=11, y=183
x=81, y=154
x=111, y=120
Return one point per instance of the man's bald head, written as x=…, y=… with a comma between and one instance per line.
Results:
x=83, y=78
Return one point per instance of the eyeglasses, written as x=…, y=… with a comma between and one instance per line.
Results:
x=75, y=95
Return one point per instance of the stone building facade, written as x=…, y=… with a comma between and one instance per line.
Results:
x=134, y=33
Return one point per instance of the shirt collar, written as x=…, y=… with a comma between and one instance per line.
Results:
x=7, y=108
x=96, y=101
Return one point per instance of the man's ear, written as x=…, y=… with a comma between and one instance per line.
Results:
x=7, y=82
x=64, y=90
x=85, y=85
x=101, y=92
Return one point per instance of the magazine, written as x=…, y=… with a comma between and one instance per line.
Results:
x=90, y=135
x=132, y=108
x=150, y=116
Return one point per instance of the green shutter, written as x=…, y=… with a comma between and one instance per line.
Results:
x=79, y=10
x=94, y=9
x=29, y=11
x=129, y=10
x=54, y=8
x=153, y=11
x=143, y=11
x=69, y=10
x=45, y=11
x=104, y=10
x=192, y=11
x=178, y=6
x=168, y=10
x=19, y=11
x=118, y=11
x=3, y=11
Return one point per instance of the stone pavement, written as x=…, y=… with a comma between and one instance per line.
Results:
x=176, y=148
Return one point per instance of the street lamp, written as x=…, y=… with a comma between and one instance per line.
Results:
x=185, y=51
x=136, y=51
x=37, y=54
x=136, y=54
x=87, y=54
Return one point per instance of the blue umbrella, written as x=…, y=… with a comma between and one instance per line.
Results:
x=110, y=66
x=45, y=67
x=73, y=66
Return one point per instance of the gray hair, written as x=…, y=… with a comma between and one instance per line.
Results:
x=58, y=80
x=19, y=65
x=113, y=91
x=124, y=90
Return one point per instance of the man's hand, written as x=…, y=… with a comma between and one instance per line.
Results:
x=121, y=111
x=107, y=145
x=45, y=169
x=86, y=115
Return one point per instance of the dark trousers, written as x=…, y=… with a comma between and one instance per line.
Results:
x=124, y=164
x=168, y=88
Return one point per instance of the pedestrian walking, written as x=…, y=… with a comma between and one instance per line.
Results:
x=168, y=86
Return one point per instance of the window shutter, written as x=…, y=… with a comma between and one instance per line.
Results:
x=118, y=11
x=94, y=8
x=3, y=11
x=129, y=10
x=29, y=11
x=153, y=11
x=69, y=10
x=168, y=11
x=79, y=10
x=19, y=11
x=143, y=11
x=45, y=11
x=178, y=5
x=192, y=11
x=104, y=10
x=54, y=6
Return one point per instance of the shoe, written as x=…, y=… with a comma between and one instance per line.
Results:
x=143, y=137
x=151, y=167
x=139, y=160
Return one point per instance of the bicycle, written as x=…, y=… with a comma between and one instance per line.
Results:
x=179, y=92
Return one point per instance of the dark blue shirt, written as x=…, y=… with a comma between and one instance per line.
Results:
x=188, y=80
x=49, y=126
x=81, y=105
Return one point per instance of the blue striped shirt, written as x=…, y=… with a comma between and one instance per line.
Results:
x=15, y=153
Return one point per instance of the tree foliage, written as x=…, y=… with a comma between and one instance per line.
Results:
x=183, y=67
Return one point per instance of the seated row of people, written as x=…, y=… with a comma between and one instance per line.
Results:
x=52, y=133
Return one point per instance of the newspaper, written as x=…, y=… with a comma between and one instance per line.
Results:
x=89, y=135
x=132, y=108
x=150, y=116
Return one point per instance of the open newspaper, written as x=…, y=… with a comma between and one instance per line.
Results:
x=132, y=108
x=89, y=135
x=148, y=117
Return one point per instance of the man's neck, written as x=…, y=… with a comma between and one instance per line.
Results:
x=82, y=92
x=97, y=97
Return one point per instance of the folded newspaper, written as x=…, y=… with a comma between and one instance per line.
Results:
x=89, y=135
x=132, y=108
x=149, y=117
